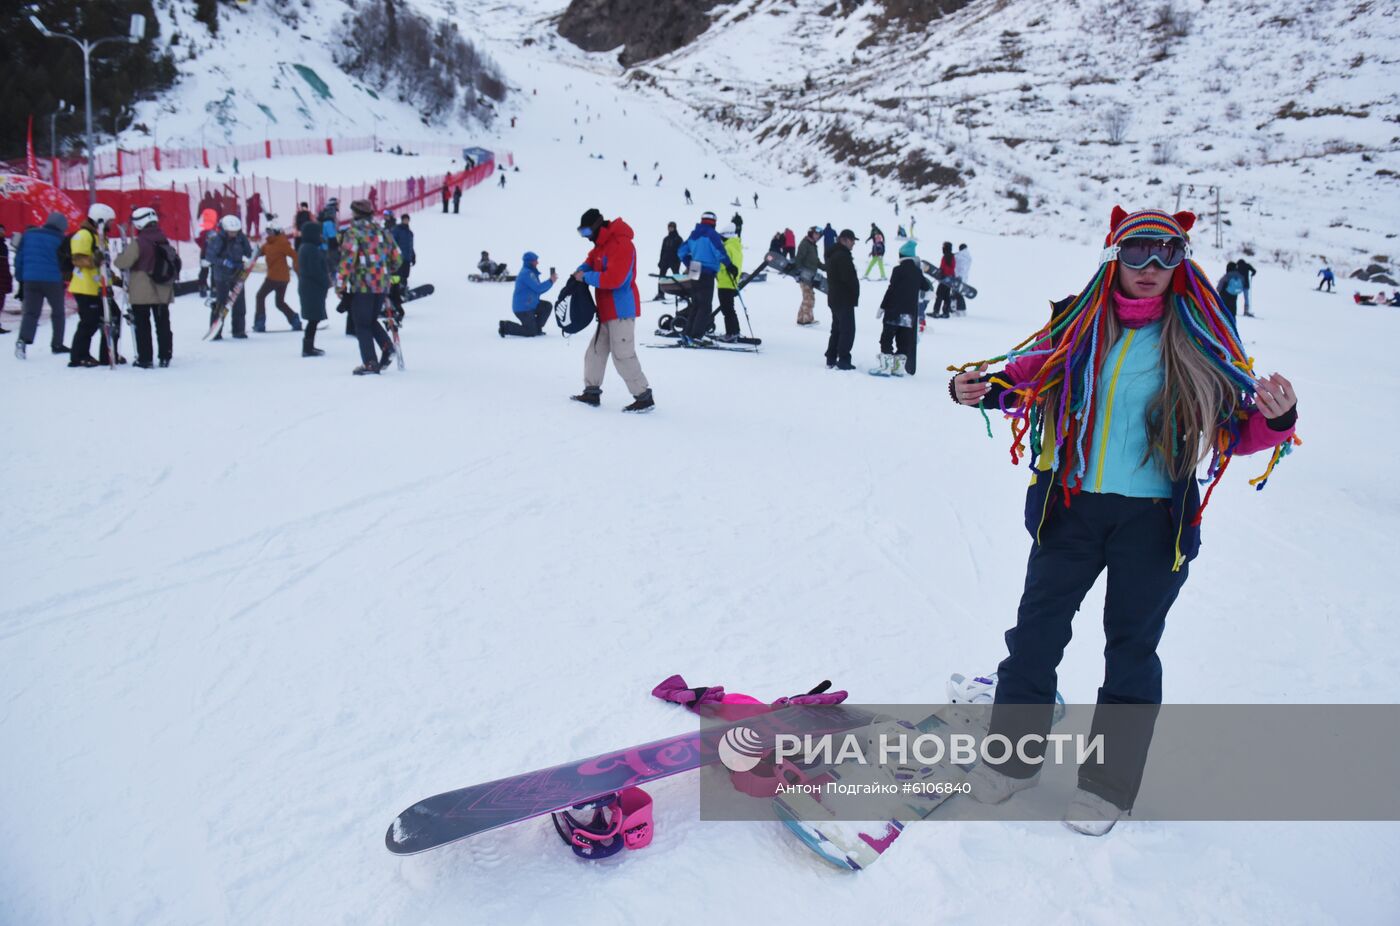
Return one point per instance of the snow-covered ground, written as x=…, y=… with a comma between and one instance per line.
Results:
x=257, y=606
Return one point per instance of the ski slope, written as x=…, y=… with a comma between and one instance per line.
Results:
x=259, y=606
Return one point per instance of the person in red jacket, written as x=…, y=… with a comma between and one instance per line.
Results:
x=947, y=268
x=611, y=269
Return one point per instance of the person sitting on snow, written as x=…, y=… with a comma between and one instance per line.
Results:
x=488, y=267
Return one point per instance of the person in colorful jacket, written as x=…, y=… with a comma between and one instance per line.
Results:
x=877, y=253
x=41, y=278
x=368, y=256
x=704, y=249
x=281, y=261
x=611, y=269
x=728, y=281
x=1135, y=381
x=526, y=304
x=89, y=286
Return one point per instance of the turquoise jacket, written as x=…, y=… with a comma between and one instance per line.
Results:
x=1131, y=378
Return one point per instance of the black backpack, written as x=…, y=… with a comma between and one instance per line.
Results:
x=166, y=269
x=575, y=310
x=65, y=258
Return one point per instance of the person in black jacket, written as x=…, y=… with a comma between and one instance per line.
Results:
x=1246, y=271
x=842, y=297
x=670, y=262
x=899, y=338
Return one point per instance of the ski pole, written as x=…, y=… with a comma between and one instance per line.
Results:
x=745, y=306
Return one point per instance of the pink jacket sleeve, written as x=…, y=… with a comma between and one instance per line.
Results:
x=1256, y=435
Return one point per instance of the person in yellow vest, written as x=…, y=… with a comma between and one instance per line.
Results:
x=89, y=248
x=728, y=282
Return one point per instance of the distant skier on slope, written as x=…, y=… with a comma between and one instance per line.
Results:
x=1328, y=278
x=1117, y=491
x=611, y=268
x=877, y=254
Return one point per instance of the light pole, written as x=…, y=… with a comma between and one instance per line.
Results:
x=64, y=109
x=134, y=34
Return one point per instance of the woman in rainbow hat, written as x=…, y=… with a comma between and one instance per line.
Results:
x=1132, y=385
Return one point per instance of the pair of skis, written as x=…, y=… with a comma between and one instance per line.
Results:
x=216, y=327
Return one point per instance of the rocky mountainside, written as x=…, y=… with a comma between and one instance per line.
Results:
x=1278, y=123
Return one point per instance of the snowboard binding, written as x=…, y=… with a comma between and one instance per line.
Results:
x=602, y=828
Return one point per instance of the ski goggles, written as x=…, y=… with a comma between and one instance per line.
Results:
x=1137, y=253
x=585, y=232
x=604, y=827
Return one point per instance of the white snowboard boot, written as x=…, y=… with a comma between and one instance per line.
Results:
x=1090, y=814
x=886, y=366
x=898, y=368
x=990, y=786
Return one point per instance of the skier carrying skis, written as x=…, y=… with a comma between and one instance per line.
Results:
x=842, y=297
x=368, y=255
x=150, y=300
x=1151, y=363
x=807, y=267
x=228, y=252
x=670, y=261
x=611, y=269
x=704, y=252
x=89, y=249
x=530, y=310
x=900, y=311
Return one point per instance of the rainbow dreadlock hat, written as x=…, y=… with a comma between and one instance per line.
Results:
x=1074, y=346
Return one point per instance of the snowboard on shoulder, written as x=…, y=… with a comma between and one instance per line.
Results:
x=454, y=815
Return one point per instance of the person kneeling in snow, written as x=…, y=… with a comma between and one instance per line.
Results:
x=526, y=302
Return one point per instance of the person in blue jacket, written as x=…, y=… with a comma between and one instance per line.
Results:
x=526, y=302
x=37, y=269
x=828, y=240
x=704, y=249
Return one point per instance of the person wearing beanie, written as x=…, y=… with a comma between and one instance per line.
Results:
x=899, y=338
x=530, y=310
x=704, y=252
x=40, y=276
x=611, y=269
x=808, y=266
x=877, y=253
x=368, y=256
x=842, y=297
x=1140, y=377
x=313, y=282
x=728, y=281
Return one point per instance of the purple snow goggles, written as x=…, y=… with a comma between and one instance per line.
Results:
x=1137, y=253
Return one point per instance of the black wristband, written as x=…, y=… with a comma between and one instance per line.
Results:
x=1283, y=422
x=952, y=392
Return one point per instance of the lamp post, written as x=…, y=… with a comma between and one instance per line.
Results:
x=64, y=109
x=134, y=34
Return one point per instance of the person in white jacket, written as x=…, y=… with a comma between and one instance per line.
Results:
x=962, y=264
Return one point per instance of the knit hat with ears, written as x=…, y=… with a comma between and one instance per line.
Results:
x=1075, y=342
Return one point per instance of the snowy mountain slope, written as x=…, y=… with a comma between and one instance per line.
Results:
x=1001, y=114
x=272, y=72
x=259, y=606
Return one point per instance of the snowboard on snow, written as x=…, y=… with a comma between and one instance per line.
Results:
x=418, y=292
x=453, y=815
x=498, y=278
x=856, y=845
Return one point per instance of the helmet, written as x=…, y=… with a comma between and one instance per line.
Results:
x=728, y=231
x=274, y=229
x=231, y=223
x=143, y=216
x=101, y=212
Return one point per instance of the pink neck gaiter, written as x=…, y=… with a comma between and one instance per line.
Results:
x=1135, y=313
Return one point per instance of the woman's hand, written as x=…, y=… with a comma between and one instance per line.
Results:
x=1274, y=396
x=966, y=389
